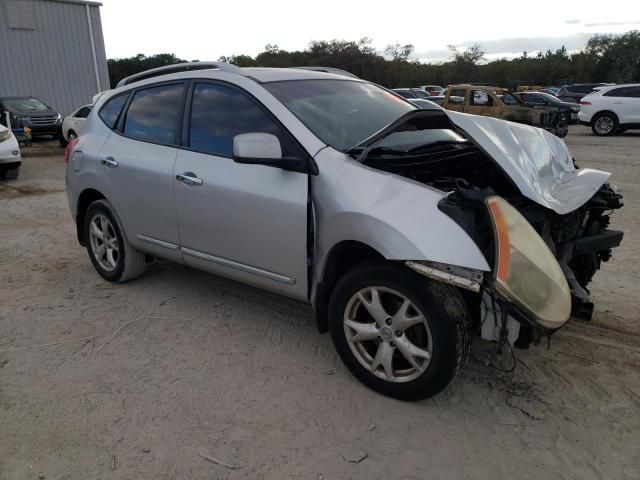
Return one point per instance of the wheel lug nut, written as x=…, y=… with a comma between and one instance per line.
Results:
x=392, y=344
x=388, y=321
x=377, y=325
x=398, y=333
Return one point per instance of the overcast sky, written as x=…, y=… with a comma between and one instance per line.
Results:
x=205, y=30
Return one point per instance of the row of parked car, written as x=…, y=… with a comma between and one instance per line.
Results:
x=608, y=109
x=28, y=117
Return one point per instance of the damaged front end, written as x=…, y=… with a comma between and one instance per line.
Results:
x=538, y=219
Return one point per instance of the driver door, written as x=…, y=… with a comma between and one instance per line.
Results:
x=246, y=222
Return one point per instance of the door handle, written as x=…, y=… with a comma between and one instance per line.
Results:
x=109, y=162
x=189, y=178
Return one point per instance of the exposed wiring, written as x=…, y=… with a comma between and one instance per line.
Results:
x=503, y=341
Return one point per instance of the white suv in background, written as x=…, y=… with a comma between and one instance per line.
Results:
x=611, y=109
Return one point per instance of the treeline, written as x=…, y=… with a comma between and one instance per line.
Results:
x=606, y=58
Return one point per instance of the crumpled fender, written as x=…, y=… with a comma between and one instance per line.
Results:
x=394, y=215
x=538, y=162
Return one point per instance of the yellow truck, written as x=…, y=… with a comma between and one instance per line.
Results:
x=501, y=103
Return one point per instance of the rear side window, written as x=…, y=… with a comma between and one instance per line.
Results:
x=110, y=112
x=628, y=92
x=83, y=112
x=457, y=97
x=219, y=113
x=153, y=114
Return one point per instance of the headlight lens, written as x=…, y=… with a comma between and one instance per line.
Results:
x=526, y=271
x=5, y=135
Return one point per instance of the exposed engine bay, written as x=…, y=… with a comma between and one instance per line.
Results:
x=431, y=150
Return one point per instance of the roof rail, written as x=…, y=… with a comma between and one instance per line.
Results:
x=177, y=68
x=336, y=71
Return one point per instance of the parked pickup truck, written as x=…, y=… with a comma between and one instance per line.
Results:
x=501, y=103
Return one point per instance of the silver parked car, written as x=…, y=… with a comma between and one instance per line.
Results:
x=405, y=228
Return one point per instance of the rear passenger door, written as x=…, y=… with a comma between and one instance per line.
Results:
x=136, y=167
x=625, y=103
x=247, y=222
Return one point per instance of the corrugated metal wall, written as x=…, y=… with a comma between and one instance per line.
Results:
x=54, y=61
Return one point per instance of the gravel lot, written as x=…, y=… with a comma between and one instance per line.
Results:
x=140, y=380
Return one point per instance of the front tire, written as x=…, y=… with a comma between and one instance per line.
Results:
x=10, y=173
x=604, y=124
x=110, y=252
x=398, y=332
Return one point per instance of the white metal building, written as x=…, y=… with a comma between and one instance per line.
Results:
x=53, y=50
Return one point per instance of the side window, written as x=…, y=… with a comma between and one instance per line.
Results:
x=110, y=111
x=83, y=112
x=219, y=113
x=627, y=92
x=457, y=96
x=635, y=92
x=508, y=99
x=481, y=98
x=153, y=114
x=536, y=100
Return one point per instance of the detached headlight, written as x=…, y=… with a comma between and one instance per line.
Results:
x=526, y=271
x=5, y=135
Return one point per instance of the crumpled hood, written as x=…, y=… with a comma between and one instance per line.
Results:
x=538, y=162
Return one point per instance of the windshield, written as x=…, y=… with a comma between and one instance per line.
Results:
x=341, y=113
x=25, y=104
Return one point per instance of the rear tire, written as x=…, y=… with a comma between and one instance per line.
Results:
x=109, y=250
x=407, y=355
x=604, y=124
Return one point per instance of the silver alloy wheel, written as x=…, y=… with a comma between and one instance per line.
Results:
x=388, y=334
x=104, y=242
x=604, y=125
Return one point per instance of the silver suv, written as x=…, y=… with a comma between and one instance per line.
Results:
x=406, y=229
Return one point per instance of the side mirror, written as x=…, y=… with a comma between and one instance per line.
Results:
x=264, y=149
x=256, y=147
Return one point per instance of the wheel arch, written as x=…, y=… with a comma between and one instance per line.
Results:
x=342, y=257
x=86, y=198
x=600, y=112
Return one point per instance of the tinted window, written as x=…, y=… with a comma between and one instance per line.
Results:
x=83, y=112
x=153, y=114
x=535, y=99
x=219, y=113
x=623, y=92
x=110, y=112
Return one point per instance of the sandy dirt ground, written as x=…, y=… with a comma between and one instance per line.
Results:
x=143, y=380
